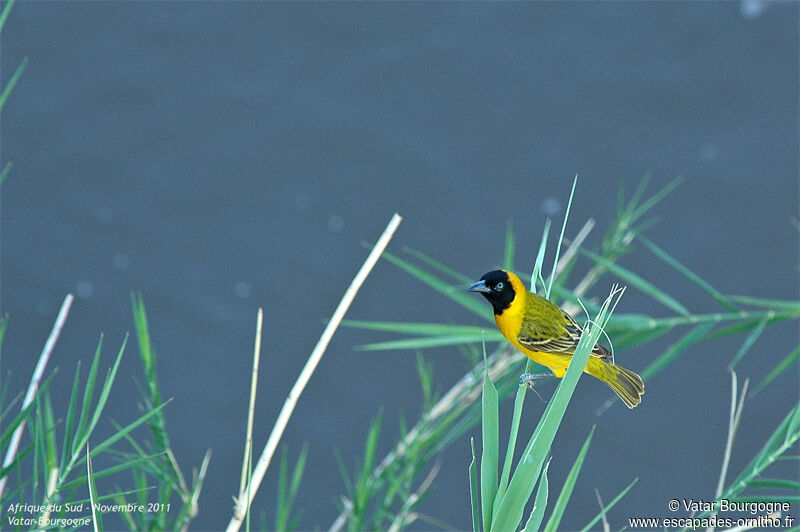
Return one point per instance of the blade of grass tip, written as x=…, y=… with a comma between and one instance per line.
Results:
x=148, y=356
x=733, y=424
x=5, y=13
x=749, y=341
x=88, y=392
x=4, y=173
x=12, y=82
x=537, y=265
x=656, y=198
x=97, y=520
x=560, y=239
x=539, y=503
x=606, y=509
x=787, y=361
x=508, y=255
x=105, y=391
x=36, y=379
x=438, y=266
x=638, y=193
x=362, y=484
x=715, y=294
x=473, y=490
x=637, y=281
x=248, y=446
x=305, y=375
x=569, y=485
x=490, y=445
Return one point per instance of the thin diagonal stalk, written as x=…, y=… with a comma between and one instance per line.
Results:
x=36, y=379
x=246, y=498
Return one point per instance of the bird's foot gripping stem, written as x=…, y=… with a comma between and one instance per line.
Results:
x=530, y=378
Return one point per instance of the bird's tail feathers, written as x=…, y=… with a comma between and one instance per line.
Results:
x=625, y=383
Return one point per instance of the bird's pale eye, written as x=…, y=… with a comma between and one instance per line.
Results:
x=499, y=286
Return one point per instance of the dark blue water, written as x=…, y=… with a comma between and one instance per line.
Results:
x=219, y=157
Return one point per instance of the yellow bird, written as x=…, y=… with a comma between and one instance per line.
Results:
x=548, y=335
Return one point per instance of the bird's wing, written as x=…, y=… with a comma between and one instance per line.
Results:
x=550, y=337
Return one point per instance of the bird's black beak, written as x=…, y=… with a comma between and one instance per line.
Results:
x=480, y=286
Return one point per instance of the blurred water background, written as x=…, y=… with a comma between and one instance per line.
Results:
x=219, y=157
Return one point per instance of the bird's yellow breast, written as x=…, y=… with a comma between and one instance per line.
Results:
x=509, y=322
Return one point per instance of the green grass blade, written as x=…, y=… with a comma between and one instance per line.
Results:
x=774, y=304
x=148, y=357
x=508, y=253
x=638, y=282
x=473, y=490
x=748, y=343
x=124, y=431
x=690, y=338
x=427, y=342
x=143, y=463
x=80, y=432
x=782, y=366
x=536, y=276
x=281, y=512
x=5, y=13
x=490, y=447
x=776, y=483
x=457, y=294
x=569, y=485
x=23, y=415
x=51, y=455
x=560, y=239
x=5, y=471
x=362, y=488
x=297, y=478
x=689, y=274
x=629, y=339
x=4, y=173
x=655, y=198
x=784, y=436
x=104, y=393
x=457, y=276
x=422, y=329
x=744, y=326
x=608, y=507
x=12, y=82
x=97, y=517
x=519, y=401
x=539, y=503
x=68, y=444
x=767, y=498
x=287, y=489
